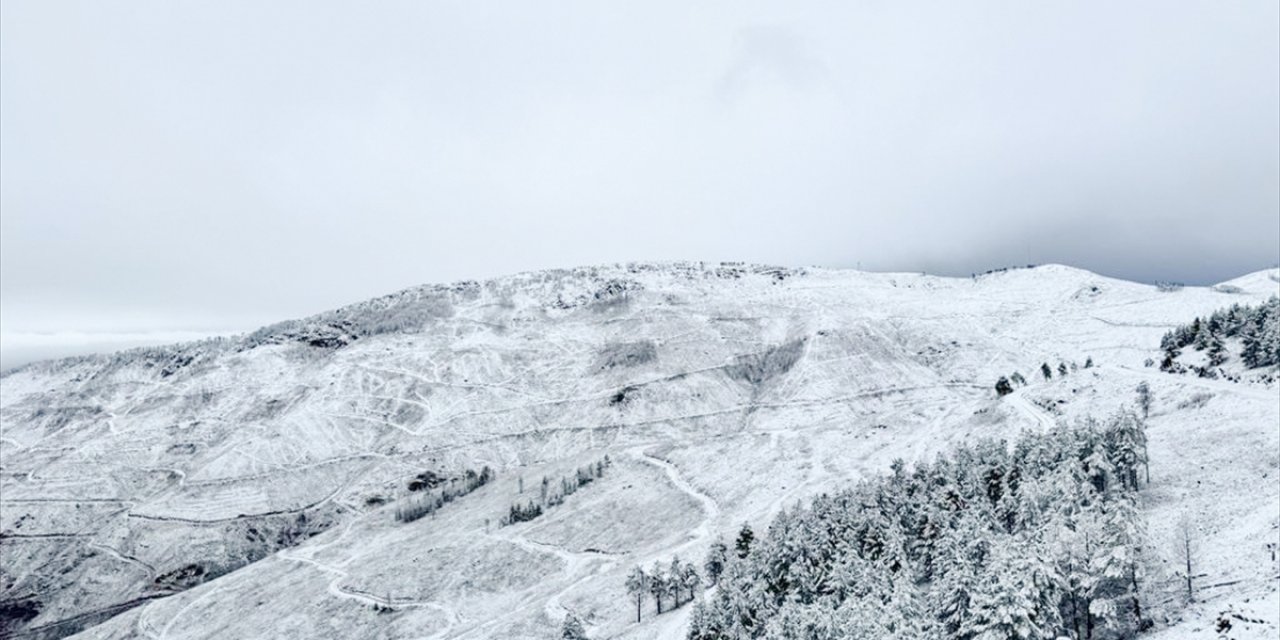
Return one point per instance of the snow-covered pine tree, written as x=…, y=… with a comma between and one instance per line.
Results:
x=572, y=628
x=657, y=584
x=1098, y=468
x=962, y=551
x=690, y=580
x=1203, y=336
x=1217, y=351
x=743, y=544
x=675, y=581
x=1003, y=388
x=1114, y=565
x=638, y=586
x=1251, y=342
x=1269, y=340
x=701, y=627
x=1072, y=547
x=808, y=622
x=1017, y=597
x=717, y=557
x=1126, y=445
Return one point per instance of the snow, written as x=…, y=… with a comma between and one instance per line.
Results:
x=533, y=375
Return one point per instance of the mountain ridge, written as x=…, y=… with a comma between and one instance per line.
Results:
x=1254, y=279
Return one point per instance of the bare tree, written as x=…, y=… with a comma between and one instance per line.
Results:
x=1187, y=550
x=1144, y=399
x=1144, y=403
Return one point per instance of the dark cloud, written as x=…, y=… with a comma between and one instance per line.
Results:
x=176, y=166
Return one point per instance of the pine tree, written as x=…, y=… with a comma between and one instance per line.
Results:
x=1075, y=547
x=657, y=584
x=1259, y=333
x=675, y=576
x=1126, y=443
x=1269, y=340
x=743, y=544
x=1018, y=598
x=690, y=580
x=1046, y=371
x=701, y=624
x=1003, y=388
x=1116, y=598
x=638, y=586
x=1203, y=335
x=572, y=629
x=1251, y=343
x=1062, y=369
x=1217, y=351
x=810, y=622
x=962, y=552
x=717, y=557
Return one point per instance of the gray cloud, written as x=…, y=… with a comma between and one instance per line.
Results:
x=206, y=167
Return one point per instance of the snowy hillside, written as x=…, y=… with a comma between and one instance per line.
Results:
x=248, y=487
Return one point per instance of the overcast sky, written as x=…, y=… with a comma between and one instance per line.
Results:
x=173, y=167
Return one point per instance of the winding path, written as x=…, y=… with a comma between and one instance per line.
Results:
x=675, y=621
x=1021, y=403
x=712, y=510
x=336, y=589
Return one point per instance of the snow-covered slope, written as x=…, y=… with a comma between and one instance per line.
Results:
x=721, y=392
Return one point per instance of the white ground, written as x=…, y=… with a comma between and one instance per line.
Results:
x=113, y=477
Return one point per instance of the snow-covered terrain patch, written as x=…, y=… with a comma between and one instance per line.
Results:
x=723, y=393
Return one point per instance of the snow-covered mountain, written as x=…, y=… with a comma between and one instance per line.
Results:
x=248, y=487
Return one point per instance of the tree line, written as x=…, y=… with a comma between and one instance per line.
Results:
x=426, y=502
x=1005, y=384
x=676, y=584
x=551, y=495
x=1257, y=329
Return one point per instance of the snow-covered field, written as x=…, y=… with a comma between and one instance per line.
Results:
x=721, y=394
